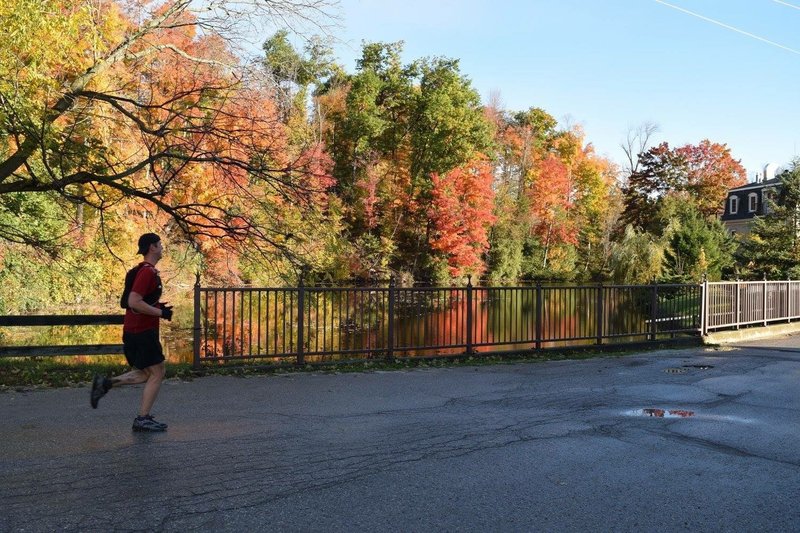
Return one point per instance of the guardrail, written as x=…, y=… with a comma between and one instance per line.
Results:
x=732, y=304
x=312, y=324
x=61, y=320
x=390, y=321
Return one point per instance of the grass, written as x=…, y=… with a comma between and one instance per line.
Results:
x=24, y=373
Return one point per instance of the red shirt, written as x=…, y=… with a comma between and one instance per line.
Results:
x=146, y=282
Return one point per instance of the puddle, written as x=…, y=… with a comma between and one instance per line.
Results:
x=699, y=367
x=655, y=412
x=667, y=413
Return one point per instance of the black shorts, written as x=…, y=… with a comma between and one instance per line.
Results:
x=142, y=349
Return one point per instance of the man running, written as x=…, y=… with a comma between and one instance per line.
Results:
x=142, y=346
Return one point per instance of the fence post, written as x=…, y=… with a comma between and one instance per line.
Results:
x=301, y=301
x=738, y=318
x=390, y=332
x=765, y=300
x=787, y=309
x=196, y=328
x=653, y=312
x=704, y=306
x=469, y=315
x=789, y=300
x=538, y=315
x=600, y=309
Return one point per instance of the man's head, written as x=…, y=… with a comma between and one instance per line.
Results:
x=146, y=240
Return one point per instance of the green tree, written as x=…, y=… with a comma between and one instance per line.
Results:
x=696, y=245
x=638, y=258
x=400, y=125
x=772, y=248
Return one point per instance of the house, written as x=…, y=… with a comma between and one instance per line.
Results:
x=748, y=201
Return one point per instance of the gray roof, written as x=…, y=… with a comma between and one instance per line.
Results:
x=760, y=185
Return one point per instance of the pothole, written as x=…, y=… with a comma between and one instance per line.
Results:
x=699, y=367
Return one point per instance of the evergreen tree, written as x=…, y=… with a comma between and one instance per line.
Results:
x=773, y=249
x=695, y=245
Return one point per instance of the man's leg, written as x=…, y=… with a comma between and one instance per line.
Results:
x=133, y=377
x=101, y=385
x=153, y=376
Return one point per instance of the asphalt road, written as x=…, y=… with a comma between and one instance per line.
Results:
x=695, y=439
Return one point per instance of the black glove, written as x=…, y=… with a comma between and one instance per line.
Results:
x=166, y=311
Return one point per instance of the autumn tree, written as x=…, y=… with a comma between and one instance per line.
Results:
x=704, y=172
x=461, y=214
x=555, y=199
x=401, y=125
x=145, y=102
x=598, y=206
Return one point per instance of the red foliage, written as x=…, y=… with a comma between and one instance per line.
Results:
x=711, y=171
x=460, y=213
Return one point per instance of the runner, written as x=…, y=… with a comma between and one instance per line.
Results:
x=142, y=347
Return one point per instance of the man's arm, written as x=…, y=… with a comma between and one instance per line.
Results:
x=137, y=303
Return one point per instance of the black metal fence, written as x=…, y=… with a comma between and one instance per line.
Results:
x=313, y=324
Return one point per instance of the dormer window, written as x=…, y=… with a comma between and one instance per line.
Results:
x=752, y=202
x=733, y=205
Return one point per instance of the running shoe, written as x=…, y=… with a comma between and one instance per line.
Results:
x=147, y=423
x=100, y=386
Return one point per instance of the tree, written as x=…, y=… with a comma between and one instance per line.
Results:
x=705, y=172
x=461, y=213
x=695, y=245
x=138, y=100
x=638, y=258
x=597, y=208
x=400, y=126
x=636, y=143
x=772, y=248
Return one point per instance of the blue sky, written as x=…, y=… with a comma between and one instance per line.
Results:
x=608, y=65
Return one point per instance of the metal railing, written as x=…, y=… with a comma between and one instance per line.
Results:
x=732, y=304
x=337, y=323
x=312, y=324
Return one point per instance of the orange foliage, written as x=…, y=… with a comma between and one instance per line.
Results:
x=461, y=213
x=551, y=201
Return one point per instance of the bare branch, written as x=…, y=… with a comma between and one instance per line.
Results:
x=636, y=142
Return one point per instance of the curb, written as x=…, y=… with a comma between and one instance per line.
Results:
x=751, y=333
